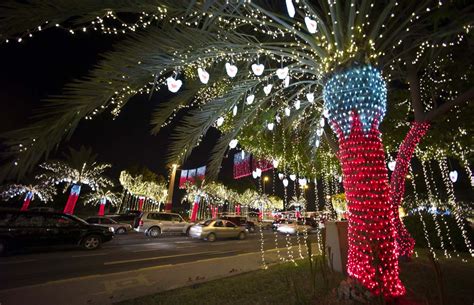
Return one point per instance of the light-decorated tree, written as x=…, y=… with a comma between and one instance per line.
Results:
x=144, y=187
x=292, y=65
x=101, y=197
x=41, y=189
x=79, y=168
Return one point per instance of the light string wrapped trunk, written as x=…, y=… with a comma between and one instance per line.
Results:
x=72, y=199
x=355, y=100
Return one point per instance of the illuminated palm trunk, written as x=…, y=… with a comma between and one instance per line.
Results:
x=72, y=199
x=141, y=200
x=26, y=202
x=355, y=100
x=195, y=208
x=102, y=204
x=397, y=184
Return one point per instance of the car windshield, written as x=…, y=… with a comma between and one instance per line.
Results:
x=205, y=223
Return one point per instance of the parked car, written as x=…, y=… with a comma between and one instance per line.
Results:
x=124, y=218
x=32, y=229
x=241, y=221
x=154, y=224
x=118, y=228
x=217, y=228
x=293, y=227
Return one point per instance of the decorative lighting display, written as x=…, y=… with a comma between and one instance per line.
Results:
x=360, y=89
x=397, y=184
x=143, y=191
x=102, y=197
x=43, y=190
x=356, y=101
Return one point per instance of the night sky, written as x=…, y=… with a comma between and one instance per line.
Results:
x=42, y=65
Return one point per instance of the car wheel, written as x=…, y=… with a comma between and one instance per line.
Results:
x=211, y=237
x=154, y=232
x=121, y=231
x=91, y=242
x=242, y=235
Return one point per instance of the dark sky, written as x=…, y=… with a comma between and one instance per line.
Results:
x=42, y=65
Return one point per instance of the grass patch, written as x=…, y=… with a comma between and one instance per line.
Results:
x=290, y=284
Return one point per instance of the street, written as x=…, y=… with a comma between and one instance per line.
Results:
x=126, y=253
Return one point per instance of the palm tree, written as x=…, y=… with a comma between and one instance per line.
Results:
x=323, y=59
x=101, y=197
x=79, y=168
x=43, y=190
x=143, y=189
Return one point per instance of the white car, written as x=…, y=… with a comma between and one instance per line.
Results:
x=212, y=229
x=293, y=227
x=154, y=224
x=117, y=227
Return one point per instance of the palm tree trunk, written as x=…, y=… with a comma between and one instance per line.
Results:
x=397, y=184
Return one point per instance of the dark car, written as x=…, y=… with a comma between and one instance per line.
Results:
x=125, y=218
x=241, y=221
x=42, y=229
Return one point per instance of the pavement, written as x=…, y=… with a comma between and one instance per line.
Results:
x=133, y=265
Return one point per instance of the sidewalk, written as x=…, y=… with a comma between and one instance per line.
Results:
x=115, y=287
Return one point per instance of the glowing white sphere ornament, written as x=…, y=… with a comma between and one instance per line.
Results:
x=311, y=25
x=293, y=177
x=257, y=69
x=233, y=143
x=231, y=70
x=282, y=73
x=297, y=104
x=275, y=163
x=290, y=8
x=173, y=84
x=310, y=97
x=267, y=89
x=270, y=126
x=203, y=76
x=285, y=182
x=281, y=176
x=453, y=175
x=287, y=111
x=250, y=99
x=391, y=165
x=220, y=121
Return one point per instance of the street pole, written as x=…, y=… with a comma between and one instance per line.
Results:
x=169, y=200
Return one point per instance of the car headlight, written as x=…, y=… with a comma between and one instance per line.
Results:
x=111, y=229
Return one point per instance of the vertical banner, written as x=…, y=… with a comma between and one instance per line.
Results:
x=201, y=173
x=103, y=201
x=191, y=176
x=183, y=178
x=27, y=201
x=242, y=165
x=141, y=200
x=237, y=209
x=195, y=208
x=72, y=199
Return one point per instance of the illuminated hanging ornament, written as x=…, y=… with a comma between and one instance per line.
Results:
x=231, y=70
x=287, y=111
x=250, y=99
x=317, y=143
x=310, y=97
x=285, y=182
x=321, y=122
x=234, y=111
x=233, y=143
x=242, y=153
x=267, y=89
x=293, y=177
x=325, y=113
x=311, y=25
x=290, y=8
x=302, y=181
x=391, y=165
x=220, y=121
x=319, y=132
x=258, y=69
x=282, y=73
x=258, y=171
x=339, y=179
x=275, y=163
x=281, y=176
x=278, y=119
x=254, y=174
x=270, y=126
x=173, y=84
x=286, y=83
x=453, y=175
x=297, y=104
x=203, y=76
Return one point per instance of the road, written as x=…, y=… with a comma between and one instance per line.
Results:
x=128, y=252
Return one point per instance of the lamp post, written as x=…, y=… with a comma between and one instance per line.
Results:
x=265, y=179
